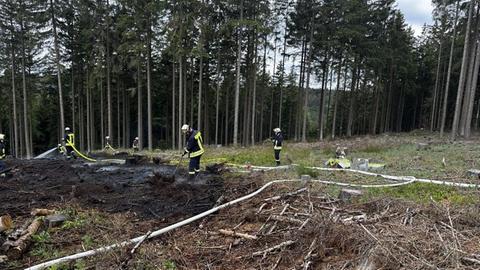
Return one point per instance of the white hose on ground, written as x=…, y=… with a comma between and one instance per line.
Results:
x=401, y=178
x=194, y=218
x=385, y=176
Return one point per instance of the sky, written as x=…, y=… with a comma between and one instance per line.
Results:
x=417, y=13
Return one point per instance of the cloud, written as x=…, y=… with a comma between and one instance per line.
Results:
x=417, y=13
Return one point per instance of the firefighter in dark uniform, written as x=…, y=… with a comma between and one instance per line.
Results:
x=69, y=141
x=108, y=143
x=194, y=149
x=277, y=144
x=136, y=144
x=3, y=154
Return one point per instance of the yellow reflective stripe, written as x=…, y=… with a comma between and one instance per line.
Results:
x=199, y=139
x=196, y=154
x=71, y=139
x=191, y=172
x=277, y=148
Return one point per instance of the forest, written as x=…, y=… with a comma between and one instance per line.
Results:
x=232, y=69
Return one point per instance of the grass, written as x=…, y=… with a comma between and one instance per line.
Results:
x=425, y=193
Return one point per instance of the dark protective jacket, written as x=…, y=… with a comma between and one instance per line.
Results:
x=277, y=141
x=2, y=150
x=194, y=144
x=135, y=144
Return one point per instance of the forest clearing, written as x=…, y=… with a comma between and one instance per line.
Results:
x=303, y=224
x=239, y=134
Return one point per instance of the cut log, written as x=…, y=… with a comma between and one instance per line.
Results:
x=42, y=212
x=6, y=223
x=21, y=245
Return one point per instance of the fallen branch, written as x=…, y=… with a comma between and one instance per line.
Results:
x=279, y=246
x=127, y=260
x=287, y=219
x=242, y=235
x=276, y=198
x=471, y=260
x=306, y=260
x=275, y=224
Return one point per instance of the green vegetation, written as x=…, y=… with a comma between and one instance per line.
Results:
x=425, y=193
x=87, y=241
x=43, y=247
x=169, y=265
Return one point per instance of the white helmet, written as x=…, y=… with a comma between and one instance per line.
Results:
x=107, y=137
x=67, y=129
x=277, y=130
x=2, y=136
x=185, y=128
x=136, y=138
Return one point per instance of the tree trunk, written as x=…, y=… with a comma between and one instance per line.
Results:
x=87, y=92
x=199, y=107
x=469, y=90
x=140, y=105
x=337, y=96
x=237, y=84
x=26, y=124
x=109, y=86
x=254, y=95
x=461, y=84
x=149, y=86
x=435, y=95
x=217, y=100
x=352, y=99
x=469, y=112
x=321, y=113
x=180, y=100
x=102, y=120
x=447, y=84
x=307, y=89
x=16, y=153
x=284, y=53
x=174, y=126
x=59, y=73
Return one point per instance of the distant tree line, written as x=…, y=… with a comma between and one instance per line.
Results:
x=233, y=69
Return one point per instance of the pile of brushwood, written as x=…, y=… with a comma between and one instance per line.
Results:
x=308, y=229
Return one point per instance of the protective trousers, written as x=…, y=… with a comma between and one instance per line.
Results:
x=194, y=166
x=277, y=156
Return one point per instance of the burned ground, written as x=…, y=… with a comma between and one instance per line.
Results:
x=114, y=189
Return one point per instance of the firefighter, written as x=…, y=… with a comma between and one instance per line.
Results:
x=69, y=141
x=136, y=144
x=108, y=143
x=277, y=144
x=2, y=153
x=194, y=149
